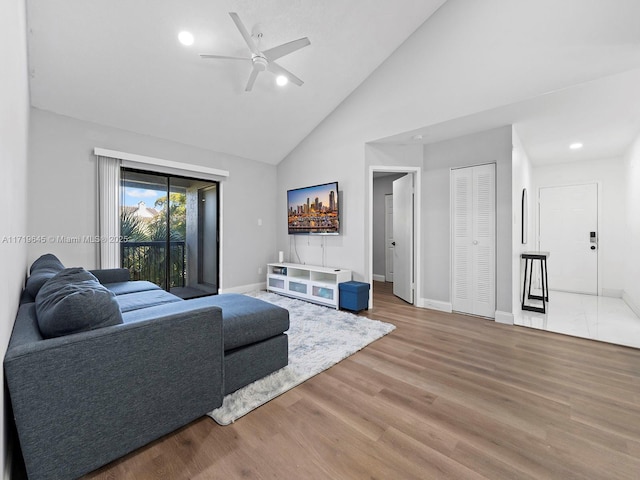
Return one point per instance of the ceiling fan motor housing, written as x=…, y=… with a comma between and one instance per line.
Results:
x=259, y=62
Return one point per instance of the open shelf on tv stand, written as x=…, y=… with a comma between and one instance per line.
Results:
x=307, y=282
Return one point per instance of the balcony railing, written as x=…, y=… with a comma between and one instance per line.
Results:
x=148, y=261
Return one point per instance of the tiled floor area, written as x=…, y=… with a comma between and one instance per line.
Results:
x=598, y=318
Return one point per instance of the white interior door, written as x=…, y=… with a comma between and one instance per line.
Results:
x=403, y=238
x=388, y=237
x=568, y=231
x=473, y=240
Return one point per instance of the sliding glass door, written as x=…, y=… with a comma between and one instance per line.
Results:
x=172, y=238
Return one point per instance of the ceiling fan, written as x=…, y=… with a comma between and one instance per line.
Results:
x=263, y=60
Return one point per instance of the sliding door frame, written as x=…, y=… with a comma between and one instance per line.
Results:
x=218, y=241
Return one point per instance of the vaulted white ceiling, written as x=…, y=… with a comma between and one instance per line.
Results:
x=120, y=64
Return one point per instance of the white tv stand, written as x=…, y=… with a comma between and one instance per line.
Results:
x=307, y=282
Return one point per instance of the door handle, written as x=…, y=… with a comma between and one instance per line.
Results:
x=593, y=247
x=393, y=243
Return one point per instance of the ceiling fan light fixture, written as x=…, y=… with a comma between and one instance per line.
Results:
x=282, y=80
x=262, y=60
x=185, y=38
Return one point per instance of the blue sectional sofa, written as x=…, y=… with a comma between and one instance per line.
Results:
x=98, y=365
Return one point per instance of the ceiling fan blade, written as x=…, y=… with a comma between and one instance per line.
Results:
x=273, y=67
x=245, y=34
x=252, y=79
x=286, y=48
x=225, y=57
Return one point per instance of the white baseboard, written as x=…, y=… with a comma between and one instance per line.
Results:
x=627, y=299
x=500, y=317
x=612, y=292
x=504, y=317
x=435, y=305
x=379, y=278
x=253, y=287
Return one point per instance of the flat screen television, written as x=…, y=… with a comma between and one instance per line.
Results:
x=314, y=210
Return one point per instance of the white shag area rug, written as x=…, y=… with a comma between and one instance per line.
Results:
x=319, y=337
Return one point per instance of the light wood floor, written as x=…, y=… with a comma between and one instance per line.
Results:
x=443, y=396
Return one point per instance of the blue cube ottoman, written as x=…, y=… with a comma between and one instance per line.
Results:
x=354, y=296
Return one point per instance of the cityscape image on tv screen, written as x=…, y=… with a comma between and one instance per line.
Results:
x=314, y=210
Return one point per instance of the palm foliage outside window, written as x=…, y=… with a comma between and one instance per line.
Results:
x=144, y=252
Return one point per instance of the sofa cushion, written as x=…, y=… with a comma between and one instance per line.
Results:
x=246, y=320
x=48, y=260
x=110, y=275
x=122, y=288
x=149, y=298
x=44, y=268
x=74, y=301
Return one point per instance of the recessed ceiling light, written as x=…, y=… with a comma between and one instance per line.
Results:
x=186, y=38
x=575, y=146
x=282, y=80
x=418, y=136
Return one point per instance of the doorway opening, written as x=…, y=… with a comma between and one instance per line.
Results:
x=405, y=254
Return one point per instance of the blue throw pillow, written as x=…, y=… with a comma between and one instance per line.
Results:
x=48, y=260
x=44, y=268
x=74, y=301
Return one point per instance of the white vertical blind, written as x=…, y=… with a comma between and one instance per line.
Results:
x=108, y=211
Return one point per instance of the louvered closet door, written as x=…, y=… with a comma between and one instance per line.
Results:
x=462, y=221
x=473, y=239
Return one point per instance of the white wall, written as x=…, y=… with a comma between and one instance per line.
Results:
x=632, y=222
x=456, y=64
x=492, y=146
x=609, y=174
x=62, y=192
x=522, y=178
x=314, y=164
x=14, y=120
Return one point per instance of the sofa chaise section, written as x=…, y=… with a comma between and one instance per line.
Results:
x=255, y=344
